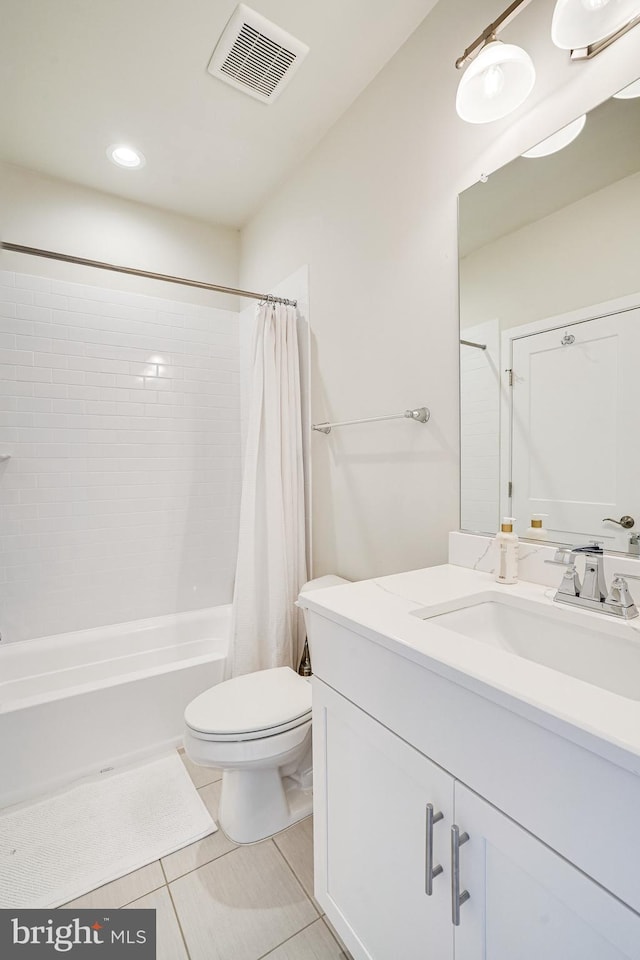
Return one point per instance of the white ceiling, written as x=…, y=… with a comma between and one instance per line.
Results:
x=78, y=76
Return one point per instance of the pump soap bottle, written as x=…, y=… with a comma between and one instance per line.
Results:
x=507, y=540
x=536, y=531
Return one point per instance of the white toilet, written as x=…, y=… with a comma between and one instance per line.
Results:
x=257, y=729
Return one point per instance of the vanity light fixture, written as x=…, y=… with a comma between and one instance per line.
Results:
x=125, y=156
x=559, y=140
x=585, y=27
x=628, y=93
x=500, y=76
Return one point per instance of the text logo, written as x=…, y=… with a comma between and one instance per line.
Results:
x=81, y=934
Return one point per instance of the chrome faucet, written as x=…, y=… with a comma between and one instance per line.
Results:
x=592, y=593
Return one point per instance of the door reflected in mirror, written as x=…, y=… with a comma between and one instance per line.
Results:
x=550, y=339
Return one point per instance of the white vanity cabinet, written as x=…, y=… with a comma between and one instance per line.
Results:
x=374, y=845
x=371, y=792
x=528, y=903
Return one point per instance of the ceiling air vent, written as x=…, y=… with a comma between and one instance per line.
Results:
x=256, y=56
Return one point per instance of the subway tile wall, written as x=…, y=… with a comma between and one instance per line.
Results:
x=121, y=415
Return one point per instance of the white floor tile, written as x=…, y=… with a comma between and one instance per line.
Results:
x=201, y=776
x=314, y=943
x=169, y=942
x=119, y=892
x=202, y=851
x=241, y=906
x=296, y=845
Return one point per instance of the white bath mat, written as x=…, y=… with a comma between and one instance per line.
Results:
x=64, y=846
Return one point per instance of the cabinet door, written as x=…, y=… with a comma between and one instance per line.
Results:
x=371, y=792
x=526, y=902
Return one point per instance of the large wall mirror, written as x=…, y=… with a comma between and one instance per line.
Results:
x=550, y=338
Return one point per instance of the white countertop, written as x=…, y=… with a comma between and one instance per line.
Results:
x=381, y=610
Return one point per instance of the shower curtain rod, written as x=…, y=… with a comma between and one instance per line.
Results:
x=132, y=271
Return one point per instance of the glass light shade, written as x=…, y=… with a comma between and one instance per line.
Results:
x=499, y=79
x=628, y=93
x=124, y=156
x=559, y=140
x=579, y=23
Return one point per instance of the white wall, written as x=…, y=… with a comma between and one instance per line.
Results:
x=373, y=212
x=40, y=211
x=480, y=378
x=584, y=254
x=121, y=415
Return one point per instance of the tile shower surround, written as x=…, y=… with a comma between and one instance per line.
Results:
x=121, y=415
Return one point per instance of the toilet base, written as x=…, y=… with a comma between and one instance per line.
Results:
x=266, y=782
x=281, y=803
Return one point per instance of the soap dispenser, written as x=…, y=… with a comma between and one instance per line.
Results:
x=537, y=531
x=507, y=541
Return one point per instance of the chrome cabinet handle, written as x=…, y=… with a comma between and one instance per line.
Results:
x=430, y=870
x=457, y=898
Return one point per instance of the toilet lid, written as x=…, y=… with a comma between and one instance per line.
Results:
x=258, y=701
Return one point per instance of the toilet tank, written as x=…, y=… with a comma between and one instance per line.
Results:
x=330, y=580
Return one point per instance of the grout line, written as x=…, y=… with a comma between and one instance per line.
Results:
x=203, y=785
x=273, y=949
x=179, y=922
x=206, y=863
x=343, y=949
x=293, y=870
x=235, y=849
x=296, y=878
x=122, y=905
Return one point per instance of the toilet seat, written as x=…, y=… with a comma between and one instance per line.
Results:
x=254, y=706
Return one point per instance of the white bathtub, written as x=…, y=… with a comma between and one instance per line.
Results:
x=73, y=704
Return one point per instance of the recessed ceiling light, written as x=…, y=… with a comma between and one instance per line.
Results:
x=124, y=156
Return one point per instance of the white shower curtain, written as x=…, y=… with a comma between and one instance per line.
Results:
x=266, y=626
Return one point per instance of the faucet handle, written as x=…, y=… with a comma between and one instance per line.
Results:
x=570, y=585
x=566, y=555
x=619, y=600
x=563, y=557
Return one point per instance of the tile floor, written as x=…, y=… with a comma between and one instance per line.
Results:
x=218, y=901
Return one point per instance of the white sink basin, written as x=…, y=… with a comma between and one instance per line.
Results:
x=605, y=654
